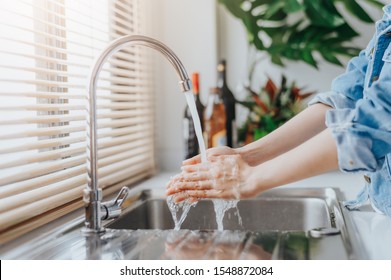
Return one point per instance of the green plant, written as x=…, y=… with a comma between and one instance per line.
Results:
x=297, y=29
x=271, y=108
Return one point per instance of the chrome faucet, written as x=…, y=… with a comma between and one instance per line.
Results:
x=95, y=210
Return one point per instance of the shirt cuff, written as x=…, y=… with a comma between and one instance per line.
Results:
x=353, y=147
x=332, y=99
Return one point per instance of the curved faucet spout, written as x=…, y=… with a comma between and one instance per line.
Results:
x=93, y=194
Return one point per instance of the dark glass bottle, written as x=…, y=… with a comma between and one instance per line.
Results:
x=229, y=103
x=189, y=135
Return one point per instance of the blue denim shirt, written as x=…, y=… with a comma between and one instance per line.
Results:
x=360, y=120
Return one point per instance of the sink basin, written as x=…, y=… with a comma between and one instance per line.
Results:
x=277, y=209
x=267, y=212
x=286, y=223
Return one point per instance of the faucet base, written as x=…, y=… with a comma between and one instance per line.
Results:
x=91, y=232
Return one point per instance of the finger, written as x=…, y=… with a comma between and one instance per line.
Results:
x=197, y=159
x=205, y=193
x=193, y=160
x=187, y=178
x=193, y=200
x=179, y=197
x=173, y=180
x=196, y=176
x=182, y=196
x=195, y=168
x=184, y=186
x=204, y=172
x=231, y=159
x=199, y=194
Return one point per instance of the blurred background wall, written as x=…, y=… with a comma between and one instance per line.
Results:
x=201, y=33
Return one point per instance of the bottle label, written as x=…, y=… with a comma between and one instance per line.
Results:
x=219, y=139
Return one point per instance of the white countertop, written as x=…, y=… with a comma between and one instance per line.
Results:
x=374, y=229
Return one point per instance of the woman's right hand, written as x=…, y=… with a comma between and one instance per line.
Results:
x=212, y=152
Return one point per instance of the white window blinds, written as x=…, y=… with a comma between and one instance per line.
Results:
x=46, y=50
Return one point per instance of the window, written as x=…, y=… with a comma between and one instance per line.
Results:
x=46, y=50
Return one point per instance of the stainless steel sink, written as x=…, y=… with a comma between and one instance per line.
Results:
x=293, y=210
x=286, y=223
x=278, y=209
x=283, y=223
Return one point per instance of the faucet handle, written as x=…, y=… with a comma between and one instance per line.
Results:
x=121, y=197
x=112, y=208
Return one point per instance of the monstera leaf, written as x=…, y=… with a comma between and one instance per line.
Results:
x=297, y=29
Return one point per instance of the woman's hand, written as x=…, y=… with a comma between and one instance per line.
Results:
x=212, y=152
x=230, y=177
x=224, y=176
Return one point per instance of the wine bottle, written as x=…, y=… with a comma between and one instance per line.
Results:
x=189, y=135
x=215, y=132
x=229, y=103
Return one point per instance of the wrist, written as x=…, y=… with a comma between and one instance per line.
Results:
x=240, y=151
x=251, y=153
x=264, y=177
x=253, y=182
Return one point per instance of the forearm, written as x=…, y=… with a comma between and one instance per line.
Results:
x=230, y=177
x=313, y=157
x=297, y=130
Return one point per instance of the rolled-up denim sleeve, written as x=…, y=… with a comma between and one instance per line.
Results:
x=360, y=126
x=333, y=99
x=347, y=88
x=363, y=134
